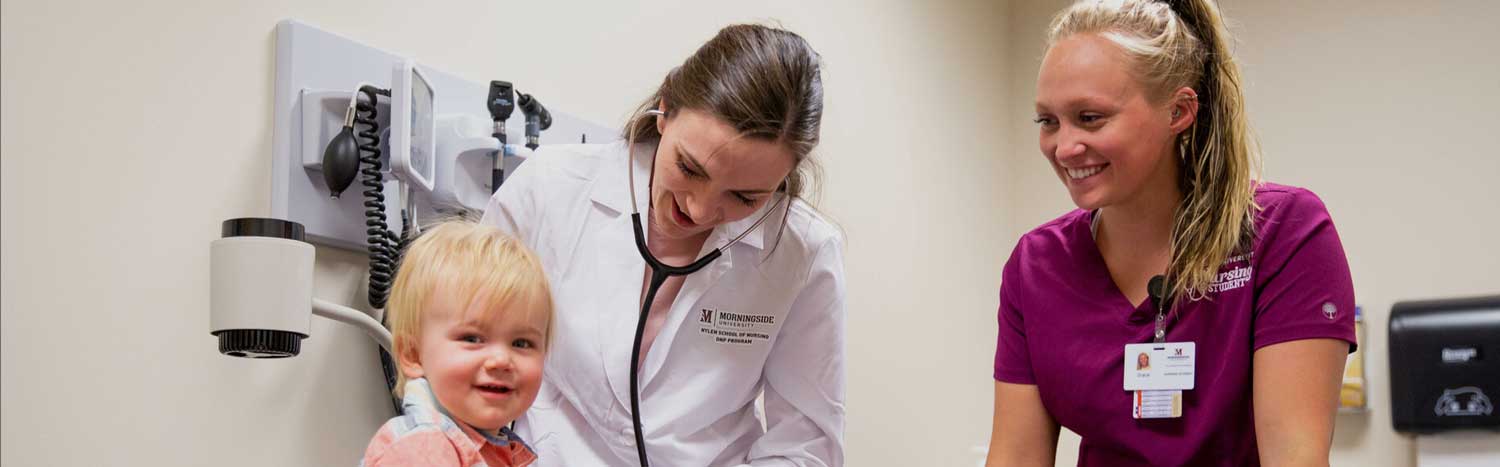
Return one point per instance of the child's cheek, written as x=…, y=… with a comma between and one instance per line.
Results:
x=531, y=374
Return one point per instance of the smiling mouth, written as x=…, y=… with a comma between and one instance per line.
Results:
x=1084, y=172
x=494, y=390
x=680, y=217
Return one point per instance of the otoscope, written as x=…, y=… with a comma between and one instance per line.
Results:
x=537, y=118
x=502, y=102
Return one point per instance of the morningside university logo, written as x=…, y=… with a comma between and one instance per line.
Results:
x=1235, y=275
x=735, y=328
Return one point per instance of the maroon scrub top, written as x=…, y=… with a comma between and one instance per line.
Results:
x=1064, y=326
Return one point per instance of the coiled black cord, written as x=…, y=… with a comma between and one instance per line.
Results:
x=383, y=245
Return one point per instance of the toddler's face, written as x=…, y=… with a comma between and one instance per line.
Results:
x=485, y=374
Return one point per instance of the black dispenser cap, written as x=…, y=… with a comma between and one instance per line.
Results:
x=263, y=227
x=259, y=343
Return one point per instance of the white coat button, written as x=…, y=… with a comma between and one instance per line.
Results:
x=627, y=437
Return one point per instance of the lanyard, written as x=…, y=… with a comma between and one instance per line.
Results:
x=1157, y=288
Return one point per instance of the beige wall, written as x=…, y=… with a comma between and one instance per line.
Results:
x=1387, y=110
x=119, y=160
x=131, y=129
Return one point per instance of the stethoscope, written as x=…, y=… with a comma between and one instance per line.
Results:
x=659, y=273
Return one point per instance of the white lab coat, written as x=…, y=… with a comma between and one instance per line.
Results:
x=765, y=316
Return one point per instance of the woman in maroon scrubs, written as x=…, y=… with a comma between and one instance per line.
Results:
x=1141, y=116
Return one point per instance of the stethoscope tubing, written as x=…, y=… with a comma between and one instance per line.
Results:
x=659, y=273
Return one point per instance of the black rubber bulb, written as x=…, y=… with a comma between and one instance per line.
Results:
x=341, y=161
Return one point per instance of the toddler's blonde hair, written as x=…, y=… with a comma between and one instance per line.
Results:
x=477, y=264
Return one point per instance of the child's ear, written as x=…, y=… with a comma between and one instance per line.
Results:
x=408, y=359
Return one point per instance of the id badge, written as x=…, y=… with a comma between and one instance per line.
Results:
x=1156, y=404
x=1159, y=367
x=1156, y=375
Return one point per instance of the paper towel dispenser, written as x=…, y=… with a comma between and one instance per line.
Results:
x=1445, y=364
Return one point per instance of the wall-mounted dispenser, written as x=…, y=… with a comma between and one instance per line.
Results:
x=260, y=291
x=1445, y=364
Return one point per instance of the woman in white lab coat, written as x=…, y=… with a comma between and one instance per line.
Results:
x=721, y=145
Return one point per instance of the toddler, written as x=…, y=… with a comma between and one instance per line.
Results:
x=470, y=316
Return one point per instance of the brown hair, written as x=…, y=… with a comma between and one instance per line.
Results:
x=764, y=82
x=1174, y=44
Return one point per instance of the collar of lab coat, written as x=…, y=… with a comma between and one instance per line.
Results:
x=611, y=189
